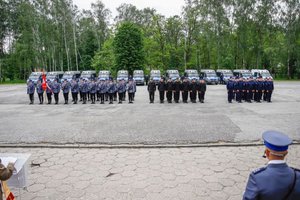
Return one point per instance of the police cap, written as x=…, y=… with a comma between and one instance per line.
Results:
x=276, y=140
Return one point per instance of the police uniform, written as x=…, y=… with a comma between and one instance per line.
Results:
x=80, y=85
x=40, y=91
x=170, y=89
x=151, y=90
x=185, y=86
x=49, y=91
x=102, y=90
x=93, y=90
x=30, y=91
x=201, y=90
x=56, y=90
x=161, y=88
x=193, y=91
x=230, y=88
x=176, y=88
x=74, y=90
x=111, y=89
x=130, y=89
x=121, y=88
x=276, y=181
x=84, y=91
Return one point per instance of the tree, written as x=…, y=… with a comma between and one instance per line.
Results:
x=128, y=47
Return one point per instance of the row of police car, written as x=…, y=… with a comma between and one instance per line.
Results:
x=220, y=76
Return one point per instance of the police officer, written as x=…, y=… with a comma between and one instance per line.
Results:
x=56, y=90
x=146, y=79
x=201, y=90
x=161, y=89
x=93, y=89
x=270, y=90
x=276, y=181
x=80, y=84
x=230, y=88
x=193, y=91
x=238, y=90
x=49, y=91
x=65, y=87
x=259, y=90
x=185, y=90
x=134, y=89
x=169, y=88
x=111, y=89
x=30, y=91
x=84, y=90
x=176, y=90
x=74, y=90
x=130, y=89
x=151, y=90
x=121, y=88
x=40, y=91
x=102, y=90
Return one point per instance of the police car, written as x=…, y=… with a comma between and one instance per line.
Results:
x=172, y=74
x=70, y=75
x=264, y=73
x=227, y=73
x=245, y=73
x=191, y=74
x=88, y=75
x=103, y=75
x=35, y=76
x=138, y=77
x=210, y=76
x=155, y=75
x=122, y=75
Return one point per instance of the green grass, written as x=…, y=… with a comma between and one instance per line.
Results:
x=13, y=82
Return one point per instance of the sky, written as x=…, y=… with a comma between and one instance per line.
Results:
x=165, y=7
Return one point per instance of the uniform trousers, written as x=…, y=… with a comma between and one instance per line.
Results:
x=102, y=97
x=230, y=95
x=151, y=97
x=56, y=97
x=31, y=98
x=49, y=97
x=93, y=97
x=185, y=96
x=120, y=94
x=176, y=96
x=111, y=97
x=75, y=96
x=193, y=96
x=84, y=98
x=41, y=97
x=201, y=96
x=169, y=96
x=161, y=96
x=66, y=97
x=130, y=97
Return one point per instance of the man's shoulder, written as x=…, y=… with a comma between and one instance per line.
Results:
x=259, y=170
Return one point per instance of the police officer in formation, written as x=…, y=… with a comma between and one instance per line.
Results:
x=121, y=88
x=74, y=91
x=49, y=91
x=40, y=91
x=102, y=90
x=276, y=181
x=65, y=87
x=249, y=89
x=30, y=91
x=131, y=88
x=172, y=90
x=92, y=87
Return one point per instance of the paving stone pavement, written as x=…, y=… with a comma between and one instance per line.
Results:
x=167, y=173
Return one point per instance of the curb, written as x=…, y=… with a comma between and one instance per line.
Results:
x=133, y=146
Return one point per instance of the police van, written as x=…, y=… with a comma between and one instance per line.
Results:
x=104, y=75
x=244, y=73
x=138, y=77
x=88, y=75
x=70, y=75
x=264, y=73
x=155, y=75
x=210, y=76
x=172, y=74
x=227, y=73
x=191, y=74
x=122, y=74
x=55, y=75
x=35, y=76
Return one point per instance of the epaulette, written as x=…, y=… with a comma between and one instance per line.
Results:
x=256, y=171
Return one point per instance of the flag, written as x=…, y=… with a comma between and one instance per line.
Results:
x=44, y=84
x=7, y=193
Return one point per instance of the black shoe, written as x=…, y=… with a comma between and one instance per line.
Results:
x=110, y=102
x=102, y=102
x=120, y=102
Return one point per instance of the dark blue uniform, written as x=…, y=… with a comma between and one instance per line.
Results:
x=93, y=90
x=111, y=89
x=102, y=90
x=30, y=91
x=40, y=92
x=131, y=89
x=66, y=89
x=56, y=90
x=49, y=91
x=230, y=88
x=75, y=90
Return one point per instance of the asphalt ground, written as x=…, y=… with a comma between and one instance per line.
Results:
x=141, y=123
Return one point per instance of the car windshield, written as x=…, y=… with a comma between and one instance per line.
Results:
x=174, y=75
x=122, y=76
x=210, y=75
x=86, y=75
x=51, y=76
x=67, y=76
x=34, y=76
x=138, y=76
x=103, y=76
x=227, y=74
x=265, y=74
x=246, y=74
x=193, y=74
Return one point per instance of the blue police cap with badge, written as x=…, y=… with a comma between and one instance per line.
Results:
x=276, y=141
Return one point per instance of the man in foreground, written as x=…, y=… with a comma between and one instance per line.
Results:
x=276, y=181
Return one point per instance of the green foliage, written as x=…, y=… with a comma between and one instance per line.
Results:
x=128, y=47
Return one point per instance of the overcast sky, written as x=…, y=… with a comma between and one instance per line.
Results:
x=164, y=7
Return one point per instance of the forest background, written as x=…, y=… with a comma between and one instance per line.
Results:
x=55, y=35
